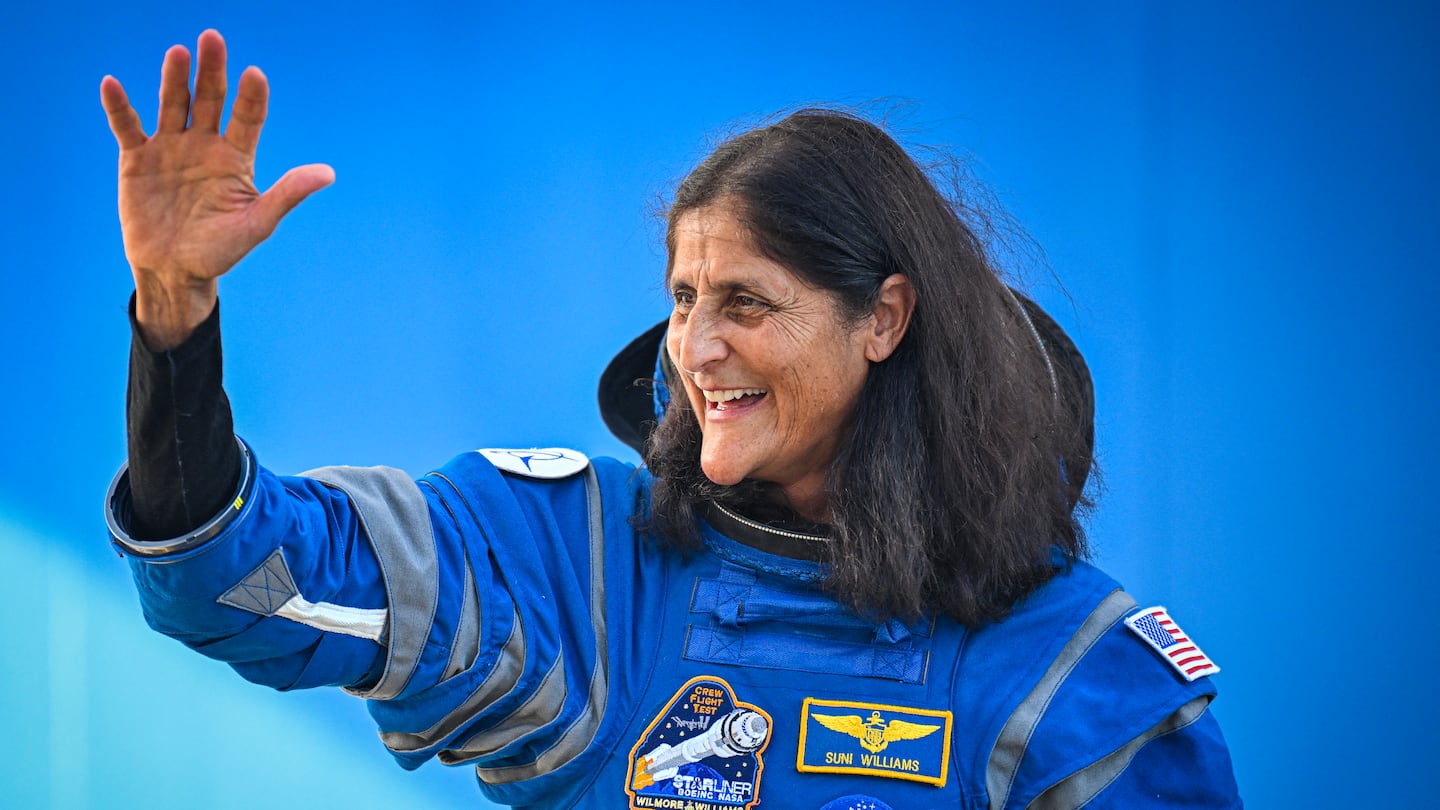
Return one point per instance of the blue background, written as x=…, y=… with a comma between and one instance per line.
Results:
x=1238, y=198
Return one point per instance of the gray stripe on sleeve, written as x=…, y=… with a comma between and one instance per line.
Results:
x=1010, y=746
x=502, y=678
x=466, y=644
x=539, y=710
x=396, y=519
x=581, y=732
x=1080, y=787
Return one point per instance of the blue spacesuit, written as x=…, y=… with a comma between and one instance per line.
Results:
x=504, y=611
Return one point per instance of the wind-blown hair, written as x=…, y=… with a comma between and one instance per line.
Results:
x=950, y=493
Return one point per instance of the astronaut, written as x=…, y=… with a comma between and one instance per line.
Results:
x=850, y=572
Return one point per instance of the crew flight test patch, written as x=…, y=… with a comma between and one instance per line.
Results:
x=701, y=752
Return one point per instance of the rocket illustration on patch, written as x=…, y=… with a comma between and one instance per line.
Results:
x=704, y=748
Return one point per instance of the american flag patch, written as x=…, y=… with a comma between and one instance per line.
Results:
x=1155, y=626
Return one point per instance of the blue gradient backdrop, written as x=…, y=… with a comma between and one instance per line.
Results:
x=1240, y=199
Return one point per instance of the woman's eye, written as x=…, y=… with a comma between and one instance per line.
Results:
x=684, y=299
x=748, y=303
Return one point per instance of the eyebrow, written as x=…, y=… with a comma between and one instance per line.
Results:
x=729, y=285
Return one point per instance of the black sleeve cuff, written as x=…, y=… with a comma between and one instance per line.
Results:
x=184, y=461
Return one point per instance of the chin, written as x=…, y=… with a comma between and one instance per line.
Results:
x=723, y=478
x=720, y=473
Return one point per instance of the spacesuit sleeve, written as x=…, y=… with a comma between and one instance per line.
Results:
x=281, y=583
x=467, y=606
x=1180, y=762
x=1113, y=724
x=175, y=509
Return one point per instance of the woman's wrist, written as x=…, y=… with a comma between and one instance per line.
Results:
x=168, y=310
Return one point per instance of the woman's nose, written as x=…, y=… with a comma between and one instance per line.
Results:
x=702, y=342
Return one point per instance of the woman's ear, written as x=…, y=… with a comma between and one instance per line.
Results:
x=890, y=318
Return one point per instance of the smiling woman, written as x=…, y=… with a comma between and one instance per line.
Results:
x=771, y=369
x=852, y=555
x=815, y=257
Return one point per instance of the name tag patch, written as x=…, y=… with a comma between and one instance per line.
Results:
x=701, y=752
x=839, y=736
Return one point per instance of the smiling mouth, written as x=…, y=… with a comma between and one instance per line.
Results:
x=727, y=398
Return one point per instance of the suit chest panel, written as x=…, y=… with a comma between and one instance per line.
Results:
x=764, y=690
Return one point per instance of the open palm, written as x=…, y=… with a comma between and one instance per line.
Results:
x=189, y=208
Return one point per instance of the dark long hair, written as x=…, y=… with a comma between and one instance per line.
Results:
x=950, y=493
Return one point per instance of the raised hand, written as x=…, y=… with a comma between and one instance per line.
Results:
x=189, y=209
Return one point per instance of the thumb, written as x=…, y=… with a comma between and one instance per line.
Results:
x=288, y=192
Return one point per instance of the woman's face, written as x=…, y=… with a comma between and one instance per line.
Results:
x=771, y=370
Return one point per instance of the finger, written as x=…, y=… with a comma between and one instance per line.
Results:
x=174, y=90
x=209, y=82
x=248, y=114
x=124, y=121
x=288, y=192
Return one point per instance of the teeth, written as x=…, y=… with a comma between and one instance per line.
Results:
x=728, y=394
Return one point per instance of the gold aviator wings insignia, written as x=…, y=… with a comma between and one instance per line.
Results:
x=875, y=735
